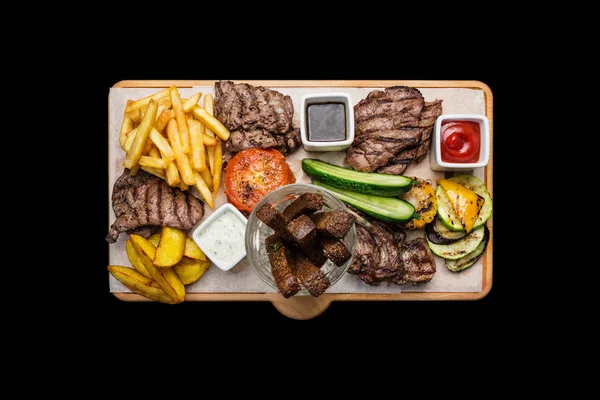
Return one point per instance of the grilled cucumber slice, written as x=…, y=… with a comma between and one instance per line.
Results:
x=461, y=247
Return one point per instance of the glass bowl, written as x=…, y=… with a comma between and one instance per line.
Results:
x=257, y=232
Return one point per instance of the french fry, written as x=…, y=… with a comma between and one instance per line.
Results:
x=191, y=102
x=171, y=171
x=166, y=102
x=162, y=144
x=207, y=177
x=153, y=171
x=182, y=126
x=208, y=106
x=163, y=118
x=211, y=122
x=141, y=284
x=204, y=190
x=126, y=127
x=143, y=132
x=154, y=152
x=209, y=141
x=197, y=139
x=218, y=168
x=130, y=139
x=138, y=104
x=134, y=170
x=152, y=162
x=183, y=163
x=211, y=159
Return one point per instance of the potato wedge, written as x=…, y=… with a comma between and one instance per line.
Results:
x=139, y=283
x=143, y=132
x=192, y=250
x=170, y=248
x=166, y=277
x=211, y=122
x=190, y=270
x=134, y=259
x=155, y=239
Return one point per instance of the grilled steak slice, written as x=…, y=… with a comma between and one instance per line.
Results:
x=281, y=259
x=394, y=100
x=398, y=164
x=288, y=142
x=375, y=149
x=430, y=112
x=335, y=250
x=412, y=262
x=306, y=203
x=242, y=139
x=366, y=255
x=144, y=231
x=419, y=263
x=246, y=107
x=335, y=223
x=146, y=200
x=312, y=278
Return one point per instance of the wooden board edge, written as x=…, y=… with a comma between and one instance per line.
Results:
x=487, y=278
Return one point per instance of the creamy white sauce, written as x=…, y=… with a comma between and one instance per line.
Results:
x=223, y=239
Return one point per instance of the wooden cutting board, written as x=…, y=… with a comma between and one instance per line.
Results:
x=306, y=307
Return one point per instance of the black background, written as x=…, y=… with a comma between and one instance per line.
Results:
x=439, y=318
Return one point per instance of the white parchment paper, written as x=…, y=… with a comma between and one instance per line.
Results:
x=242, y=277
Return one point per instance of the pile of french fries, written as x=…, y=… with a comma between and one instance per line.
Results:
x=175, y=139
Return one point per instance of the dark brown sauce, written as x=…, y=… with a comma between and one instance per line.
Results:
x=326, y=122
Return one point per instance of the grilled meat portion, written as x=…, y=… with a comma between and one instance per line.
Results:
x=281, y=260
x=145, y=200
x=256, y=116
x=375, y=149
x=431, y=111
x=382, y=122
x=382, y=254
x=419, y=264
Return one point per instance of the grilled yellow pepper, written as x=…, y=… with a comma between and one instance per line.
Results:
x=465, y=202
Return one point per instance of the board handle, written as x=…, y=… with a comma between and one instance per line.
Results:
x=301, y=307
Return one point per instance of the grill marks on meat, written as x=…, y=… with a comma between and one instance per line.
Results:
x=143, y=201
x=382, y=254
x=256, y=116
x=392, y=128
x=375, y=149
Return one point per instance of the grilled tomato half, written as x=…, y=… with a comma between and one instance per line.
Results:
x=252, y=173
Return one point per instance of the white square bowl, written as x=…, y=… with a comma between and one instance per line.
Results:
x=435, y=159
x=332, y=97
x=205, y=247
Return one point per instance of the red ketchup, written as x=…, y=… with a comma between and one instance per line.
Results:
x=460, y=141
